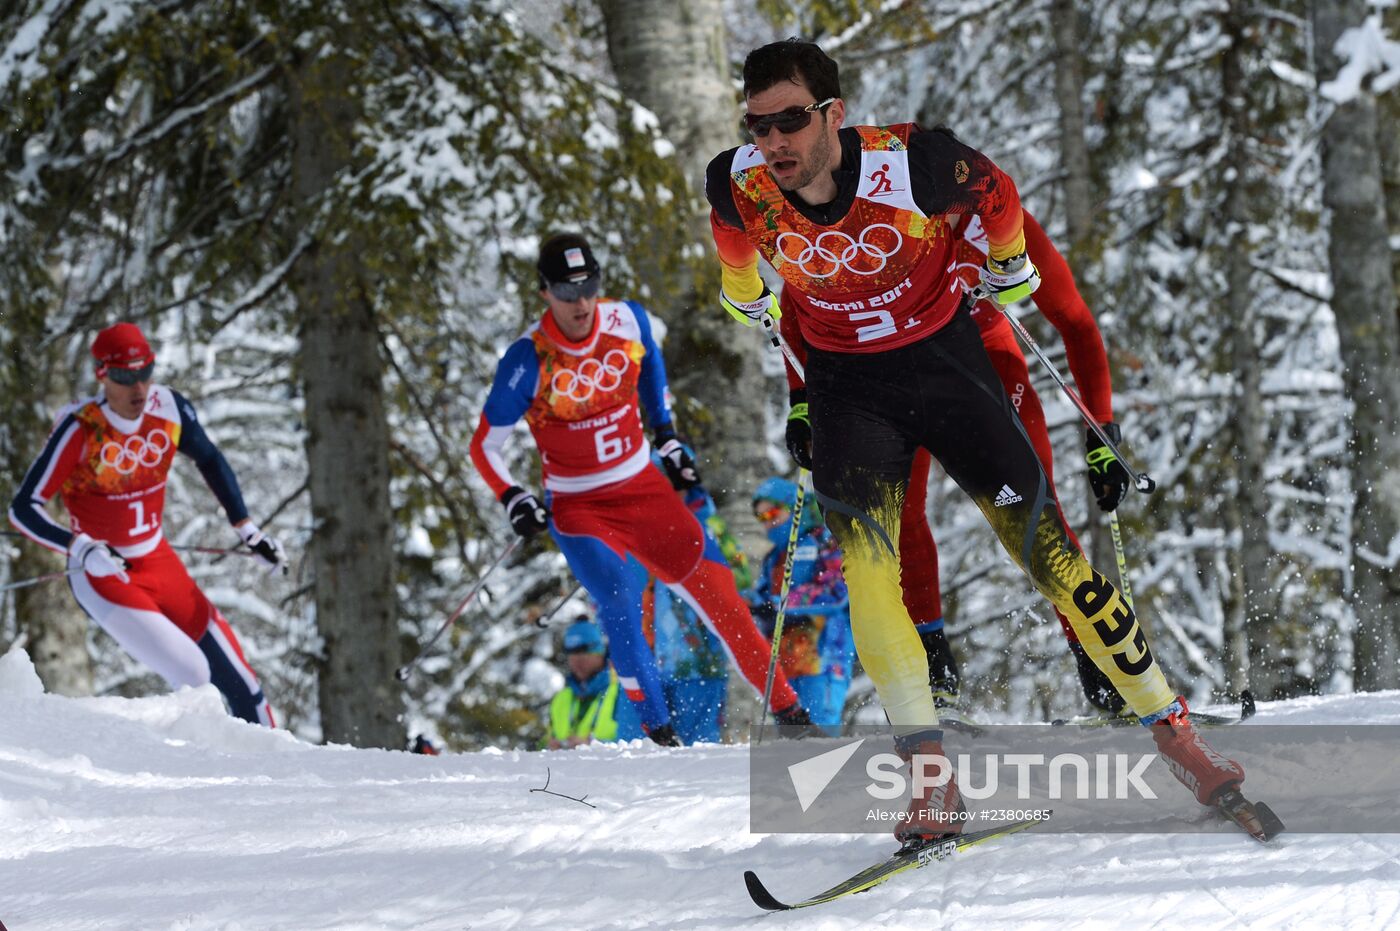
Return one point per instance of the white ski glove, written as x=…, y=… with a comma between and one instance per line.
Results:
x=750, y=313
x=97, y=558
x=1011, y=280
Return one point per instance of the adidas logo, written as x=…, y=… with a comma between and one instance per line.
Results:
x=1006, y=496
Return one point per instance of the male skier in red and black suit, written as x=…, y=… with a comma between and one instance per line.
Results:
x=857, y=221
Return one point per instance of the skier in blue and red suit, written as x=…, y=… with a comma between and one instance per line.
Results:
x=579, y=378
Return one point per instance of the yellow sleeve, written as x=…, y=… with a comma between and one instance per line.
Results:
x=738, y=260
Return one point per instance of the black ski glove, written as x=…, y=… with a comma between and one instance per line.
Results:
x=527, y=516
x=266, y=548
x=1107, y=477
x=799, y=429
x=676, y=459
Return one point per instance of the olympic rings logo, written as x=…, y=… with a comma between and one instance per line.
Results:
x=146, y=451
x=824, y=250
x=592, y=375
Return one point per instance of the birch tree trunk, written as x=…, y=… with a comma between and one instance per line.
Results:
x=1250, y=618
x=669, y=57
x=1364, y=303
x=1079, y=208
x=54, y=626
x=347, y=443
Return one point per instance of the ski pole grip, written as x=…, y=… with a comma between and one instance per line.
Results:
x=772, y=334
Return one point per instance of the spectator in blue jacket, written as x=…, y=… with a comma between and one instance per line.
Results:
x=587, y=707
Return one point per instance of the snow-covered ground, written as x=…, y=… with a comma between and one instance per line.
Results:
x=164, y=813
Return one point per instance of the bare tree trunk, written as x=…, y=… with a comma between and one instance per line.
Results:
x=347, y=443
x=1364, y=303
x=1078, y=194
x=55, y=627
x=1251, y=563
x=1388, y=139
x=1074, y=151
x=669, y=57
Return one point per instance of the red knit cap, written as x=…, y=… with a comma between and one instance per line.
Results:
x=122, y=346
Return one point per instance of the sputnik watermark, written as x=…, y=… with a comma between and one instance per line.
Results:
x=1085, y=776
x=1100, y=776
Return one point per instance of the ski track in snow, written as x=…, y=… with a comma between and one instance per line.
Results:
x=164, y=813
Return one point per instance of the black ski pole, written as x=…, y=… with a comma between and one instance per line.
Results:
x=25, y=583
x=1141, y=480
x=403, y=672
x=212, y=550
x=544, y=620
x=793, y=534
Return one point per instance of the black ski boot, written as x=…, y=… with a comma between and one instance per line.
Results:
x=943, y=681
x=797, y=723
x=1097, y=687
x=943, y=675
x=665, y=735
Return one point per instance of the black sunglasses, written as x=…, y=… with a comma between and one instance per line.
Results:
x=131, y=376
x=573, y=290
x=787, y=122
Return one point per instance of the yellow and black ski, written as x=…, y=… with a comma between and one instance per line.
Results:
x=895, y=864
x=1128, y=719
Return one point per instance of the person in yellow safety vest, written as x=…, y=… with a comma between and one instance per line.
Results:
x=585, y=709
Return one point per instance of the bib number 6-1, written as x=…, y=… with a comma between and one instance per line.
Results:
x=610, y=446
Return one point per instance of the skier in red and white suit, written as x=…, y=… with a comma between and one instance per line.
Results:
x=108, y=458
x=580, y=379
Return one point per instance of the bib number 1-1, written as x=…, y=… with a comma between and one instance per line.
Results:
x=141, y=526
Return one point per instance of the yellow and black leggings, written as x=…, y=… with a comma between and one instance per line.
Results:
x=869, y=413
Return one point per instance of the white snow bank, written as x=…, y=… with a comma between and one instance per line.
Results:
x=17, y=676
x=164, y=813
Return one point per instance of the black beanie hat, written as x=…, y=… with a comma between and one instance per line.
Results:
x=566, y=257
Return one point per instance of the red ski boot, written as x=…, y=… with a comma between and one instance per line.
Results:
x=935, y=812
x=1193, y=761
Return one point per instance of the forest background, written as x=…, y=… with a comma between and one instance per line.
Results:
x=325, y=214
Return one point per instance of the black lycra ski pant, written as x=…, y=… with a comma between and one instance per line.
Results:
x=869, y=412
